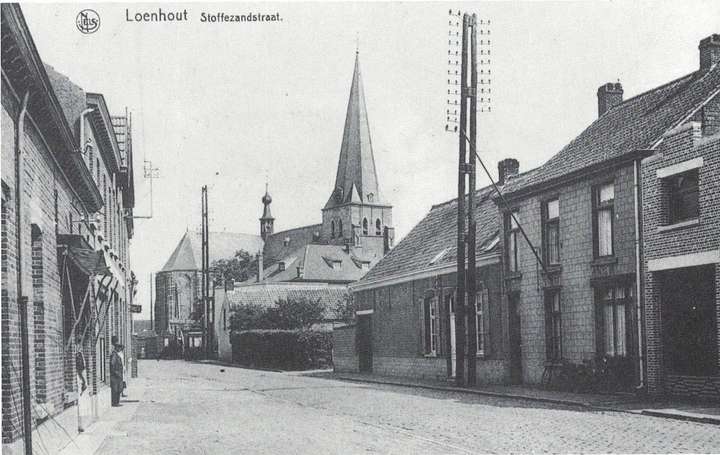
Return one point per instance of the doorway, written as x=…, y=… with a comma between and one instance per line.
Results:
x=515, y=339
x=364, y=343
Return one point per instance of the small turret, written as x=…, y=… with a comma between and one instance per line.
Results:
x=266, y=221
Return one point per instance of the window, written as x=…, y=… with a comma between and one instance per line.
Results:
x=378, y=227
x=604, y=210
x=224, y=318
x=97, y=168
x=513, y=230
x=340, y=229
x=481, y=304
x=553, y=325
x=365, y=226
x=332, y=229
x=683, y=193
x=613, y=306
x=430, y=311
x=551, y=231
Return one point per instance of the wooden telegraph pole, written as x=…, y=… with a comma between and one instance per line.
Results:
x=471, y=272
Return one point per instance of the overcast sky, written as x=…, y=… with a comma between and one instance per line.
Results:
x=229, y=105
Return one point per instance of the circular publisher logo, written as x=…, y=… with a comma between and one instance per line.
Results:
x=88, y=21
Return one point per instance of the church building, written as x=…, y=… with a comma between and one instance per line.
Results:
x=355, y=233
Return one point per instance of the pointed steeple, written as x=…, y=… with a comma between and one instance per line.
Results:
x=356, y=175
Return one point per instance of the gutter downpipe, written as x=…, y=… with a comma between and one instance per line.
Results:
x=22, y=300
x=638, y=271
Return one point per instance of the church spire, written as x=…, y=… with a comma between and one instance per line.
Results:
x=356, y=179
x=266, y=221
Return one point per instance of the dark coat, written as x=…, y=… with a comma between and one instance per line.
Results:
x=116, y=369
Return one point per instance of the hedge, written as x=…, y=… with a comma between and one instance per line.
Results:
x=282, y=349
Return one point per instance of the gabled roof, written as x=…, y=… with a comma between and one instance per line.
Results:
x=285, y=243
x=635, y=124
x=433, y=241
x=320, y=263
x=267, y=294
x=223, y=245
x=356, y=174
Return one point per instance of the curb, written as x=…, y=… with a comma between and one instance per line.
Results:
x=582, y=404
x=233, y=365
x=684, y=417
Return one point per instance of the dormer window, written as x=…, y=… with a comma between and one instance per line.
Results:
x=365, y=226
x=336, y=264
x=439, y=256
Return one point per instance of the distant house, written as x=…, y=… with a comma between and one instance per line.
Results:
x=266, y=295
x=582, y=210
x=405, y=305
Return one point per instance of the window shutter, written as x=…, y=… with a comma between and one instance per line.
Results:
x=426, y=324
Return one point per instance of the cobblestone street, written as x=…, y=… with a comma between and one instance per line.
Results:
x=191, y=408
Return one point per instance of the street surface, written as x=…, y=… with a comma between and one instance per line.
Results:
x=190, y=408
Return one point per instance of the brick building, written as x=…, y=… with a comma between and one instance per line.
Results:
x=77, y=284
x=582, y=211
x=405, y=304
x=681, y=246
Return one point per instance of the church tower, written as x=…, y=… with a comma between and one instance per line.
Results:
x=266, y=221
x=356, y=212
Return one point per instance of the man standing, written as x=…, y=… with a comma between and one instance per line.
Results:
x=116, y=372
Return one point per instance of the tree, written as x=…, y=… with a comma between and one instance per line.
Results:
x=286, y=314
x=239, y=268
x=344, y=310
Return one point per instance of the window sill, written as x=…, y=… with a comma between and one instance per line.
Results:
x=552, y=269
x=680, y=225
x=430, y=356
x=605, y=260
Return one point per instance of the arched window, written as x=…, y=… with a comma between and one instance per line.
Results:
x=332, y=229
x=340, y=229
x=378, y=227
x=365, y=226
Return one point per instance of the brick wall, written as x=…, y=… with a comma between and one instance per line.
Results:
x=345, y=358
x=578, y=267
x=687, y=142
x=398, y=327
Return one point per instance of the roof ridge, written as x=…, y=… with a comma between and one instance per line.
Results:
x=295, y=229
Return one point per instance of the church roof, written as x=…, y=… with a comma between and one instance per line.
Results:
x=223, y=245
x=356, y=179
x=280, y=245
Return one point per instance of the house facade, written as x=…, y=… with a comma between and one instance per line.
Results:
x=405, y=321
x=74, y=286
x=576, y=300
x=681, y=249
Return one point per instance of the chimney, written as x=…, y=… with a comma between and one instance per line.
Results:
x=609, y=95
x=709, y=51
x=388, y=239
x=260, y=267
x=509, y=167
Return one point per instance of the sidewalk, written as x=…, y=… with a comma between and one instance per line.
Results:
x=88, y=442
x=670, y=408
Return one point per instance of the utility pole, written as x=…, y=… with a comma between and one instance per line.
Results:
x=460, y=341
x=472, y=272
x=152, y=327
x=205, y=274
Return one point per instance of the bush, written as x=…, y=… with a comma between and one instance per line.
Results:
x=282, y=349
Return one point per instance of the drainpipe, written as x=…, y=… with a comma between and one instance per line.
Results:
x=22, y=300
x=638, y=272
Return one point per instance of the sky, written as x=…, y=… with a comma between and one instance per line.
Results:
x=233, y=105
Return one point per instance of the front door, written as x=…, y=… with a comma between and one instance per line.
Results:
x=364, y=342
x=515, y=339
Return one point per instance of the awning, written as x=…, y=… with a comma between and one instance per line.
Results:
x=81, y=255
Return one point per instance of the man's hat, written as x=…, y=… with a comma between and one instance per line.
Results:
x=114, y=340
